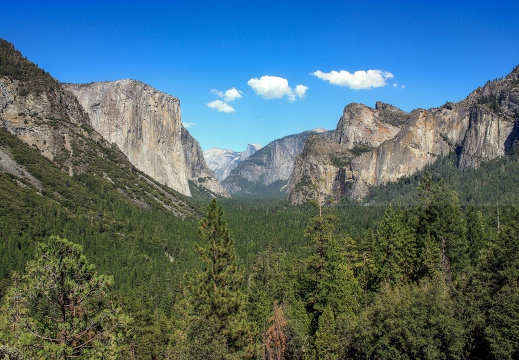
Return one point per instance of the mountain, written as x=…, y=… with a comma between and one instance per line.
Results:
x=267, y=172
x=38, y=110
x=199, y=174
x=146, y=125
x=222, y=161
x=371, y=147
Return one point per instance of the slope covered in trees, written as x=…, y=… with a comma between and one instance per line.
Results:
x=433, y=280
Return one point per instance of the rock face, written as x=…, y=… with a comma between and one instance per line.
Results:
x=47, y=118
x=267, y=172
x=143, y=122
x=222, y=161
x=197, y=169
x=361, y=126
x=375, y=146
x=146, y=125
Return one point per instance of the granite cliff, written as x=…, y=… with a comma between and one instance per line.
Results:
x=35, y=108
x=146, y=125
x=371, y=147
x=198, y=171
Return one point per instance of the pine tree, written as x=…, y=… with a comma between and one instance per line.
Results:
x=275, y=341
x=409, y=321
x=218, y=302
x=439, y=218
x=477, y=235
x=326, y=339
x=395, y=248
x=329, y=279
x=60, y=308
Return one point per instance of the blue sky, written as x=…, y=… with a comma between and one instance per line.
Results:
x=236, y=65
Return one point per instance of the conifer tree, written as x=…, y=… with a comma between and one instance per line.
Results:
x=60, y=308
x=326, y=338
x=477, y=236
x=329, y=279
x=396, y=249
x=439, y=218
x=218, y=302
x=275, y=341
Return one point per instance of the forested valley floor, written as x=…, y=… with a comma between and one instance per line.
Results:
x=426, y=268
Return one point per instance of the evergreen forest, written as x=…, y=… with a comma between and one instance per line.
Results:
x=424, y=268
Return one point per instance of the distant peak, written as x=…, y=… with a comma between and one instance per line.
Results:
x=251, y=149
x=319, y=130
x=255, y=146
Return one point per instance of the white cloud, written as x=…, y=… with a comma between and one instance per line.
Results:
x=359, y=80
x=216, y=92
x=301, y=90
x=229, y=95
x=270, y=87
x=395, y=85
x=275, y=87
x=221, y=106
x=188, y=125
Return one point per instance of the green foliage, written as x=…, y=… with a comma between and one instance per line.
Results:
x=395, y=249
x=145, y=249
x=219, y=322
x=255, y=190
x=410, y=321
x=9, y=353
x=491, y=102
x=34, y=80
x=489, y=297
x=326, y=338
x=439, y=218
x=60, y=307
x=492, y=183
x=328, y=282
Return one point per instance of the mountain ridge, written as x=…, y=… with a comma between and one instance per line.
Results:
x=38, y=110
x=222, y=161
x=267, y=172
x=367, y=149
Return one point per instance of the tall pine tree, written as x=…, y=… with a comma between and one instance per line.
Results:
x=219, y=326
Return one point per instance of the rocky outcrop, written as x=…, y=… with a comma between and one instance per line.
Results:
x=268, y=171
x=143, y=122
x=381, y=145
x=146, y=126
x=222, y=161
x=50, y=120
x=197, y=169
x=363, y=126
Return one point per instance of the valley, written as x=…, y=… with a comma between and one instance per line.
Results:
x=392, y=236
